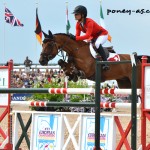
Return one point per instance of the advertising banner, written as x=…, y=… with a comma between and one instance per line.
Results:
x=107, y=130
x=46, y=132
x=3, y=84
x=147, y=87
x=20, y=97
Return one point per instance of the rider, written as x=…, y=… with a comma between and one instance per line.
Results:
x=92, y=30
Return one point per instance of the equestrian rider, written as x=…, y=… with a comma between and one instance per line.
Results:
x=93, y=31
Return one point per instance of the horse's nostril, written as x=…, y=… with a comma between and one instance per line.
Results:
x=41, y=61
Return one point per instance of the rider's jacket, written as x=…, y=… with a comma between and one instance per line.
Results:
x=91, y=29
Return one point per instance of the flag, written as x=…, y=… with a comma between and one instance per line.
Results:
x=10, y=18
x=38, y=29
x=102, y=22
x=67, y=20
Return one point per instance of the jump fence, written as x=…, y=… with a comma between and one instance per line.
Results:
x=145, y=106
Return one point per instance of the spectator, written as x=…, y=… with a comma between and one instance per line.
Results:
x=26, y=82
x=54, y=73
x=46, y=72
x=31, y=82
x=19, y=83
x=27, y=62
x=49, y=78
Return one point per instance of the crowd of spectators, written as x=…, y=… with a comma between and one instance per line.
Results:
x=23, y=79
x=27, y=77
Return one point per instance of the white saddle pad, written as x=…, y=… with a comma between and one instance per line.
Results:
x=112, y=56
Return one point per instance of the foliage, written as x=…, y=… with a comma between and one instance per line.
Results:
x=60, y=97
x=79, y=84
x=48, y=97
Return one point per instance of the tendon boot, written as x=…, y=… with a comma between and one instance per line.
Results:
x=101, y=51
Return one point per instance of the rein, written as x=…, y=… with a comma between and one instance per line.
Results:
x=61, y=49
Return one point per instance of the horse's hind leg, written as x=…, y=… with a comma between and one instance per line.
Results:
x=124, y=83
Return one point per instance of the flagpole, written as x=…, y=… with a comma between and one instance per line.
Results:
x=38, y=29
x=36, y=49
x=67, y=20
x=67, y=32
x=66, y=16
x=4, y=38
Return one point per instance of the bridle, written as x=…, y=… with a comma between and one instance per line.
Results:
x=50, y=43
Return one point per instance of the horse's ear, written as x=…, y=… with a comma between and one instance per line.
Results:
x=45, y=35
x=50, y=34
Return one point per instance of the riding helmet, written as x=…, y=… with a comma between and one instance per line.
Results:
x=80, y=10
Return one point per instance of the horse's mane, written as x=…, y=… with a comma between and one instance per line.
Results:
x=79, y=42
x=62, y=34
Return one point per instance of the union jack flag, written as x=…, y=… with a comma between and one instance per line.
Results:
x=10, y=18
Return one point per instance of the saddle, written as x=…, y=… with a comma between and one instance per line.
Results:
x=108, y=50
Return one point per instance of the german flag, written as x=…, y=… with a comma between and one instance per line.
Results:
x=38, y=29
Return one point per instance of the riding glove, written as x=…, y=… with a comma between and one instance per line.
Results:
x=72, y=36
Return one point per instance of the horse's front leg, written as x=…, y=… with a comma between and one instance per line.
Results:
x=69, y=70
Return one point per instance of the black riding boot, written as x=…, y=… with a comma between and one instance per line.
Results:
x=101, y=51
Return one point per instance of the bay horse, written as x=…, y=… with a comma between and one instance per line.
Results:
x=84, y=62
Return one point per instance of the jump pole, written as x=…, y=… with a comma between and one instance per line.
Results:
x=68, y=91
x=49, y=104
x=133, y=104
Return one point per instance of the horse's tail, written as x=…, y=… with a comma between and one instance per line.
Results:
x=140, y=58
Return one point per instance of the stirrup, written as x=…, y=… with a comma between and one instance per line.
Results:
x=105, y=67
x=98, y=57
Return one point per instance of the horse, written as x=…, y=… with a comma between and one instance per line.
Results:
x=83, y=63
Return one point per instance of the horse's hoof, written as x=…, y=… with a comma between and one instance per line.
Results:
x=81, y=74
x=75, y=79
x=71, y=77
x=61, y=63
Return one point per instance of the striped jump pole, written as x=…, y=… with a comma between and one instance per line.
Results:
x=83, y=104
x=90, y=91
x=117, y=105
x=67, y=90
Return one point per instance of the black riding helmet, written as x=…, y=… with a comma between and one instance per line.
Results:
x=80, y=10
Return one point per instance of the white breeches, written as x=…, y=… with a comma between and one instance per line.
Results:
x=101, y=40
